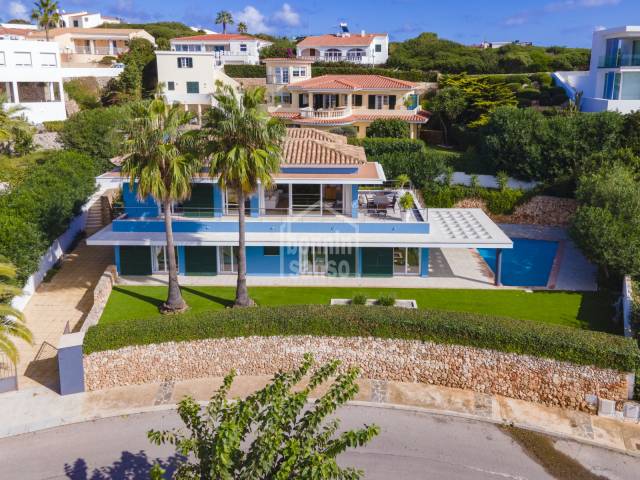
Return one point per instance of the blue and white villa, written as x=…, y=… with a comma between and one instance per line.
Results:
x=328, y=215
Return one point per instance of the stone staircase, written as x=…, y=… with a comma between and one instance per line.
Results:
x=100, y=212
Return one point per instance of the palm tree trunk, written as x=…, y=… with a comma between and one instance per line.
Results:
x=242, y=295
x=175, y=303
x=224, y=27
x=46, y=33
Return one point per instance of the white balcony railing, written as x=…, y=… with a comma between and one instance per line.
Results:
x=85, y=50
x=325, y=113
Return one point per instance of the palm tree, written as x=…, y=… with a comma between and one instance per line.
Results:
x=12, y=322
x=242, y=27
x=46, y=15
x=162, y=158
x=225, y=18
x=244, y=144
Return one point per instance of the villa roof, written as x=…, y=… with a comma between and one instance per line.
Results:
x=22, y=32
x=307, y=146
x=216, y=37
x=328, y=40
x=418, y=117
x=353, y=82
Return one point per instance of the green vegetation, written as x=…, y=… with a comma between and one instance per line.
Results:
x=16, y=134
x=12, y=321
x=45, y=14
x=53, y=125
x=96, y=133
x=31, y=216
x=14, y=170
x=359, y=299
x=473, y=329
x=606, y=226
x=388, y=128
x=274, y=433
x=139, y=77
x=159, y=30
x=85, y=91
x=428, y=52
x=386, y=301
x=580, y=310
x=282, y=47
x=499, y=201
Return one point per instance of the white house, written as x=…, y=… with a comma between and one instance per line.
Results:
x=613, y=80
x=30, y=76
x=364, y=48
x=190, y=78
x=85, y=19
x=230, y=48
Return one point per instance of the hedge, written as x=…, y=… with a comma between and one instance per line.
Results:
x=499, y=202
x=379, y=146
x=497, y=333
x=53, y=125
x=246, y=71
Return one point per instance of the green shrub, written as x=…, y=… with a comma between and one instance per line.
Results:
x=499, y=202
x=359, y=299
x=107, y=60
x=20, y=242
x=54, y=125
x=84, y=91
x=497, y=333
x=95, y=133
x=246, y=71
x=386, y=301
x=319, y=69
x=379, y=146
x=388, y=128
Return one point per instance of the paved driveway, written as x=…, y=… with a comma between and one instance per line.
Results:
x=68, y=297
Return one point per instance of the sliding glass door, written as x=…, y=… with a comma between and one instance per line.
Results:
x=313, y=260
x=228, y=259
x=406, y=261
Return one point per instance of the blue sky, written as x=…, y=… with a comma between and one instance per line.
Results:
x=545, y=22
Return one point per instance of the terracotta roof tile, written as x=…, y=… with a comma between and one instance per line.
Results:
x=93, y=31
x=419, y=117
x=355, y=40
x=353, y=82
x=313, y=147
x=219, y=37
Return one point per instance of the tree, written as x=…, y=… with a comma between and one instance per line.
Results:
x=388, y=128
x=242, y=27
x=162, y=159
x=225, y=18
x=12, y=323
x=606, y=226
x=46, y=15
x=244, y=144
x=631, y=131
x=449, y=103
x=288, y=440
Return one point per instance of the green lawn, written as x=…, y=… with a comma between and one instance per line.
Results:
x=580, y=310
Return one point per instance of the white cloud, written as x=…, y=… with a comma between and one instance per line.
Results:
x=255, y=20
x=287, y=16
x=17, y=9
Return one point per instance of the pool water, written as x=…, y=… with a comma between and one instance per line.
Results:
x=528, y=264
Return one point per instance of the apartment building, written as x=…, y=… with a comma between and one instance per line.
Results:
x=229, y=48
x=85, y=19
x=362, y=48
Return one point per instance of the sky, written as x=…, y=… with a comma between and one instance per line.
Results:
x=543, y=22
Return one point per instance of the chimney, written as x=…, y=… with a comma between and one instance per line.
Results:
x=362, y=33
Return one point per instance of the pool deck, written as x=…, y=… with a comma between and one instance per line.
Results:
x=571, y=270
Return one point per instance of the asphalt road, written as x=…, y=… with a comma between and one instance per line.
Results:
x=411, y=446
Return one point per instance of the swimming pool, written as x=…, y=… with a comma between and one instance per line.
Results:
x=527, y=264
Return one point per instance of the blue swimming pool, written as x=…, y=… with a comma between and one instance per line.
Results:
x=528, y=264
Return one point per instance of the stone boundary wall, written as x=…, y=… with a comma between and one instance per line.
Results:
x=544, y=381
x=101, y=294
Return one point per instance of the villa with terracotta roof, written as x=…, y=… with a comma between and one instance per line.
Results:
x=331, y=101
x=230, y=48
x=328, y=213
x=364, y=48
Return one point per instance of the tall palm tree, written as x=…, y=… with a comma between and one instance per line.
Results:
x=244, y=144
x=225, y=18
x=162, y=158
x=45, y=13
x=242, y=27
x=12, y=322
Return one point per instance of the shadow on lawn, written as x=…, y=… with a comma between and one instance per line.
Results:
x=225, y=302
x=145, y=298
x=597, y=310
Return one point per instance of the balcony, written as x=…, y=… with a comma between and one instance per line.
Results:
x=616, y=61
x=325, y=113
x=86, y=50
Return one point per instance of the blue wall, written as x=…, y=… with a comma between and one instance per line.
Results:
x=116, y=254
x=218, y=203
x=259, y=264
x=136, y=208
x=290, y=259
x=424, y=262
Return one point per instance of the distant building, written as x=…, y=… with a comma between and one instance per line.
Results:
x=485, y=45
x=364, y=48
x=613, y=80
x=8, y=33
x=85, y=20
x=229, y=48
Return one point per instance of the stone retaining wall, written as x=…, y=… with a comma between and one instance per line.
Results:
x=527, y=378
x=101, y=294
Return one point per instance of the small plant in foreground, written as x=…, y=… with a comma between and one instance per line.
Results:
x=386, y=301
x=270, y=434
x=359, y=299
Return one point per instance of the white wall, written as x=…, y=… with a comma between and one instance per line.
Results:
x=42, y=68
x=232, y=52
x=371, y=57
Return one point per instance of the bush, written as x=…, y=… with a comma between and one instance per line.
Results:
x=21, y=243
x=497, y=333
x=359, y=299
x=386, y=301
x=84, y=91
x=95, y=133
x=246, y=71
x=379, y=146
x=388, y=128
x=499, y=202
x=54, y=125
x=107, y=60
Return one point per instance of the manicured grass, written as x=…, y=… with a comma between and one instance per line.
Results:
x=579, y=310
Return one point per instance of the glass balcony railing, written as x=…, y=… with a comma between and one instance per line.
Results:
x=615, y=61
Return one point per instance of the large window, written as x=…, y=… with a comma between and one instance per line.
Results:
x=36, y=92
x=185, y=62
x=187, y=48
x=193, y=87
x=313, y=260
x=355, y=54
x=281, y=74
x=406, y=261
x=630, y=86
x=333, y=55
x=306, y=198
x=276, y=200
x=612, y=86
x=160, y=261
x=228, y=259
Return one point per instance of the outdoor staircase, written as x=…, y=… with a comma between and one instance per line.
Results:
x=100, y=212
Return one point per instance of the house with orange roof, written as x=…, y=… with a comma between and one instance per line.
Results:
x=229, y=48
x=330, y=101
x=362, y=48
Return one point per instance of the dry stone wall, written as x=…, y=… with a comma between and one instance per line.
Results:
x=522, y=377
